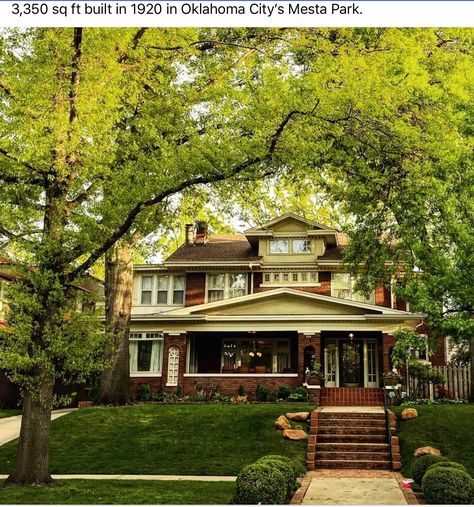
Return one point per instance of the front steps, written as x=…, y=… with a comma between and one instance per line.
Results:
x=351, y=397
x=356, y=440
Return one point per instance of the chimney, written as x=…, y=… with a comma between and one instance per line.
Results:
x=189, y=234
x=202, y=232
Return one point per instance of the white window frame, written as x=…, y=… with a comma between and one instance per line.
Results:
x=147, y=336
x=227, y=290
x=290, y=242
x=170, y=289
x=353, y=295
x=295, y=279
x=173, y=367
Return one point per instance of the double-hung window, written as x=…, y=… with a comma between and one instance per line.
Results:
x=147, y=290
x=146, y=352
x=162, y=289
x=226, y=285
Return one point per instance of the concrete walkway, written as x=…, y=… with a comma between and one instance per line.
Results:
x=10, y=426
x=353, y=487
x=102, y=477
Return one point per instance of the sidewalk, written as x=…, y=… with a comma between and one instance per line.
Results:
x=103, y=477
x=353, y=487
x=10, y=426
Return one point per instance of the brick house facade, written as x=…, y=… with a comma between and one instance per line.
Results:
x=254, y=308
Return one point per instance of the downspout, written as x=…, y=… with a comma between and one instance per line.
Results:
x=251, y=278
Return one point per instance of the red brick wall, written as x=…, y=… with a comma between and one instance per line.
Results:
x=229, y=385
x=382, y=296
x=304, y=341
x=388, y=341
x=195, y=288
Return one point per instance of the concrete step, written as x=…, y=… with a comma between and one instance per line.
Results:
x=351, y=438
x=349, y=422
x=351, y=415
x=355, y=430
x=352, y=456
x=375, y=465
x=351, y=447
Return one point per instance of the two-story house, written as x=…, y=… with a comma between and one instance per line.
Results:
x=253, y=308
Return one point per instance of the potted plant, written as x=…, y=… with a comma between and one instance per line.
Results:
x=392, y=378
x=313, y=375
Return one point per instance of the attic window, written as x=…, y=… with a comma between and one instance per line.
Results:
x=301, y=246
x=279, y=246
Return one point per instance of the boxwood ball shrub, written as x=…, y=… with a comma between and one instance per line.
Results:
x=445, y=485
x=260, y=483
x=421, y=465
x=448, y=464
x=285, y=467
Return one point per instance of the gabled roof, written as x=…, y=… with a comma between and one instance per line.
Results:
x=299, y=218
x=218, y=248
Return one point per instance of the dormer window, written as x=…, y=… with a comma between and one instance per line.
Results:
x=301, y=246
x=279, y=246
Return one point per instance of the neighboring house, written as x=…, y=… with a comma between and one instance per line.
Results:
x=253, y=308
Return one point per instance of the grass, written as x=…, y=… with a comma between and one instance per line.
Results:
x=80, y=491
x=449, y=428
x=216, y=439
x=9, y=412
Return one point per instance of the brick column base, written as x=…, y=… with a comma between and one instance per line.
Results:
x=314, y=394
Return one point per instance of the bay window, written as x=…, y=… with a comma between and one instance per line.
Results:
x=146, y=352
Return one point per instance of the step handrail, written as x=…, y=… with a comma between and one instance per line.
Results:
x=387, y=424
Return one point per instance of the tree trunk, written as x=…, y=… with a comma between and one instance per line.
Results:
x=471, y=354
x=32, y=464
x=115, y=380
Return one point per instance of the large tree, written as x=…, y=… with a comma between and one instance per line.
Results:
x=100, y=125
x=97, y=126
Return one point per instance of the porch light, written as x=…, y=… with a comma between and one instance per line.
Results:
x=351, y=336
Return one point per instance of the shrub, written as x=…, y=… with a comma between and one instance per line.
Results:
x=445, y=485
x=421, y=465
x=286, y=466
x=448, y=464
x=260, y=483
x=261, y=393
x=144, y=392
x=241, y=390
x=272, y=395
x=298, y=394
x=283, y=392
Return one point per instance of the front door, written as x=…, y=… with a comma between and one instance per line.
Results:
x=351, y=363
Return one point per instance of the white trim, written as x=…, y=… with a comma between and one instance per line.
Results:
x=146, y=374
x=240, y=375
x=382, y=310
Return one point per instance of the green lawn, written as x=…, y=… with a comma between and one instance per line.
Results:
x=216, y=439
x=449, y=428
x=9, y=412
x=120, y=492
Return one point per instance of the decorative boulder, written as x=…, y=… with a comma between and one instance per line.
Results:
x=295, y=434
x=298, y=416
x=409, y=413
x=421, y=451
x=282, y=423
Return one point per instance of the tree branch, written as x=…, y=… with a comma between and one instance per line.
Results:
x=179, y=187
x=15, y=179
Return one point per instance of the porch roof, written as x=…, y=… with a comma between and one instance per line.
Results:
x=283, y=304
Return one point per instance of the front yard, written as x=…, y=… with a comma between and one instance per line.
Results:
x=449, y=428
x=120, y=492
x=196, y=439
x=9, y=412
